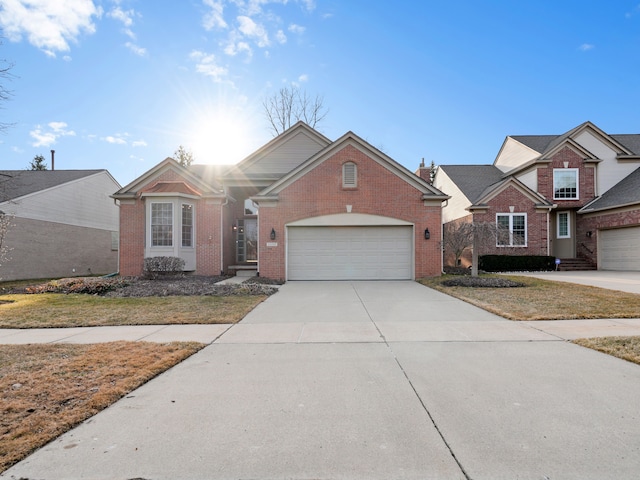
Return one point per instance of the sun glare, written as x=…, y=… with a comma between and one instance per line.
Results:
x=220, y=138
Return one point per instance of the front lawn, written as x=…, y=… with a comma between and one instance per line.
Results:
x=81, y=310
x=542, y=299
x=45, y=390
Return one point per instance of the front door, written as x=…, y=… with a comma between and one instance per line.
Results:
x=564, y=242
x=247, y=240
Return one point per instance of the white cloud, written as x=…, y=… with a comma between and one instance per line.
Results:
x=297, y=29
x=281, y=37
x=138, y=143
x=253, y=30
x=140, y=51
x=207, y=65
x=234, y=49
x=214, y=18
x=48, y=25
x=47, y=137
x=303, y=78
x=125, y=17
x=116, y=140
x=585, y=47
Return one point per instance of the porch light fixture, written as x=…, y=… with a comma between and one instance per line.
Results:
x=272, y=235
x=427, y=235
x=589, y=233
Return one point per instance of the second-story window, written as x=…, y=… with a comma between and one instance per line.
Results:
x=565, y=184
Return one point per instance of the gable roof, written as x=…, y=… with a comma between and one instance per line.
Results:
x=626, y=192
x=278, y=157
x=546, y=145
x=472, y=180
x=352, y=139
x=206, y=187
x=493, y=190
x=18, y=183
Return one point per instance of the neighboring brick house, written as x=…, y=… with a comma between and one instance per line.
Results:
x=300, y=208
x=574, y=195
x=62, y=223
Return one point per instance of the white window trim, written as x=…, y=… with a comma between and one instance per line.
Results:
x=173, y=224
x=355, y=175
x=193, y=225
x=526, y=229
x=568, y=225
x=560, y=170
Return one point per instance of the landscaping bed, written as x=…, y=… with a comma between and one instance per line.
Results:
x=171, y=285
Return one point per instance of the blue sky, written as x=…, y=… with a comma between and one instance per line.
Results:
x=121, y=84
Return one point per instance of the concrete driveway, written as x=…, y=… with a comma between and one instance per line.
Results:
x=366, y=380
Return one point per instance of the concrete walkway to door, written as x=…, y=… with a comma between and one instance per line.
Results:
x=366, y=380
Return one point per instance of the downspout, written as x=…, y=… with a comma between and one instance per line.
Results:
x=226, y=202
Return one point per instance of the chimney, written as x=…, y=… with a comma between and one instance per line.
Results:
x=53, y=162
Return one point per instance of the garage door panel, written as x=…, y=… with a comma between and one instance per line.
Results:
x=619, y=249
x=350, y=253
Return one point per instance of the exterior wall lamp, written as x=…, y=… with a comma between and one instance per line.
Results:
x=589, y=233
x=427, y=235
x=272, y=235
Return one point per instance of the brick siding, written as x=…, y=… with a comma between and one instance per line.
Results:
x=378, y=192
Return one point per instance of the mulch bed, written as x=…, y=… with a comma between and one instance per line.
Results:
x=172, y=285
x=481, y=282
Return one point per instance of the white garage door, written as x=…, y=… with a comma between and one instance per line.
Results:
x=350, y=253
x=619, y=249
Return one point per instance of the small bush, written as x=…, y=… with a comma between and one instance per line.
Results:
x=162, y=266
x=516, y=263
x=87, y=285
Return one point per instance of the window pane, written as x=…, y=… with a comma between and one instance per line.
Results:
x=563, y=225
x=519, y=230
x=503, y=229
x=187, y=225
x=161, y=224
x=565, y=184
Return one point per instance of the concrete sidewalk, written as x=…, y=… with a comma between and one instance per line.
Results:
x=368, y=380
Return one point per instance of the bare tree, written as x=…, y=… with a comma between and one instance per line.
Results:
x=290, y=105
x=5, y=93
x=457, y=238
x=38, y=163
x=5, y=225
x=475, y=235
x=183, y=156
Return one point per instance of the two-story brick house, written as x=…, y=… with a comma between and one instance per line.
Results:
x=302, y=207
x=574, y=195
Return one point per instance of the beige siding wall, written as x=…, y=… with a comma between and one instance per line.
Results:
x=288, y=155
x=455, y=206
x=84, y=203
x=514, y=154
x=610, y=170
x=52, y=250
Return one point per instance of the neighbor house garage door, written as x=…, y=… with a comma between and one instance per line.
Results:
x=350, y=253
x=619, y=249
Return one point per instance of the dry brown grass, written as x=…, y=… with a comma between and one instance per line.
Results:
x=46, y=390
x=75, y=310
x=545, y=300
x=627, y=348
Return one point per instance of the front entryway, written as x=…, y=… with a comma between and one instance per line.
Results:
x=247, y=240
x=350, y=253
x=563, y=235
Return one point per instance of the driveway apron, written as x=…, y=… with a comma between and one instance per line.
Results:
x=366, y=380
